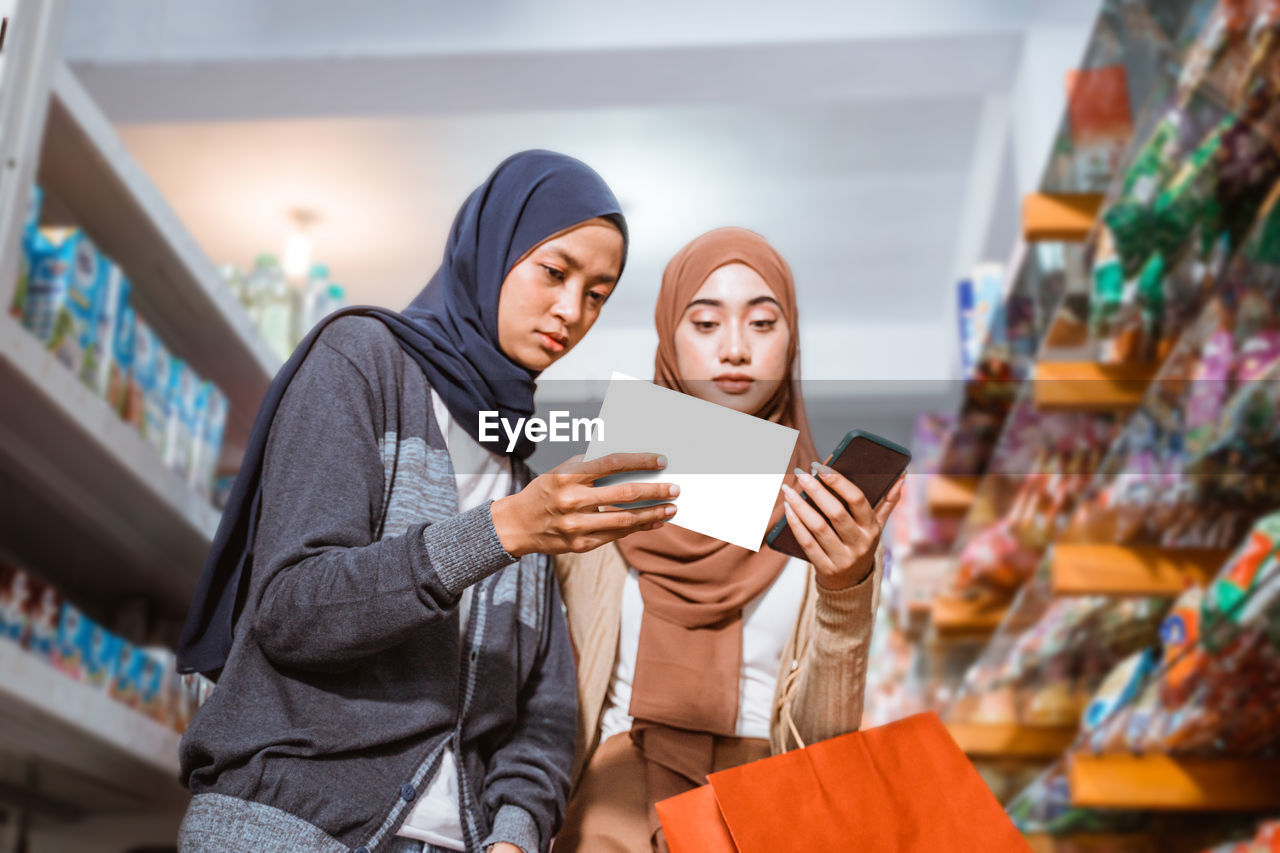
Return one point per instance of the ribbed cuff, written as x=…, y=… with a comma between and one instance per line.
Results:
x=465, y=549
x=515, y=826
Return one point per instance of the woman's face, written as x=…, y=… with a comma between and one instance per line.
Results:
x=731, y=342
x=554, y=294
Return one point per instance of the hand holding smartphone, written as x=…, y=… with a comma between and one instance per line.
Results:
x=870, y=462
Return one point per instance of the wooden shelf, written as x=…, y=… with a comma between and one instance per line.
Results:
x=988, y=740
x=83, y=494
x=1067, y=217
x=48, y=716
x=1131, y=570
x=1089, y=386
x=959, y=618
x=1161, y=782
x=85, y=166
x=946, y=495
x=1102, y=842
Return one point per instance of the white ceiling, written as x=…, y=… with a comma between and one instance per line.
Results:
x=851, y=134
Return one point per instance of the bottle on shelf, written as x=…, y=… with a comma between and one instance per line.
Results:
x=272, y=299
x=315, y=299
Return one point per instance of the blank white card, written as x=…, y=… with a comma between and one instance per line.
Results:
x=729, y=466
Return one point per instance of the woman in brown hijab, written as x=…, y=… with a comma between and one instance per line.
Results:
x=695, y=655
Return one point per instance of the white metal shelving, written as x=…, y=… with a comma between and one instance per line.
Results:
x=84, y=164
x=49, y=716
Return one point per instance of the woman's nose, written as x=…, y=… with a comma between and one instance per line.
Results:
x=734, y=348
x=567, y=307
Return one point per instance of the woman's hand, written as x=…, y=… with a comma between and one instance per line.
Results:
x=562, y=512
x=842, y=550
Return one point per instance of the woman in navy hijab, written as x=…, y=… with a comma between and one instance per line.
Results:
x=394, y=672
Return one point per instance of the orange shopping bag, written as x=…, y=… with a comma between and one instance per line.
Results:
x=901, y=788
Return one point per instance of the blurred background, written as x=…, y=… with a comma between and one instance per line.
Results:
x=1035, y=241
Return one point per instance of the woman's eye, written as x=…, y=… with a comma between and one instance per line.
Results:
x=705, y=325
x=764, y=325
x=597, y=297
x=558, y=275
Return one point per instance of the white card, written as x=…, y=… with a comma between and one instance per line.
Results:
x=729, y=466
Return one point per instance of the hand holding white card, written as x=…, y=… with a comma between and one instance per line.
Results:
x=729, y=465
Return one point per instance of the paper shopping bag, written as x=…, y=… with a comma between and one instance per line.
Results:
x=901, y=788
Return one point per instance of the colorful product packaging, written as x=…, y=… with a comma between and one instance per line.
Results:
x=181, y=419
x=212, y=413
x=84, y=649
x=122, y=349
x=99, y=357
x=44, y=611
x=75, y=322
x=16, y=592
x=30, y=235
x=148, y=400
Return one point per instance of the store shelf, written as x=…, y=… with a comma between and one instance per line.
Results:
x=950, y=495
x=959, y=617
x=1101, y=842
x=1089, y=386
x=1161, y=782
x=1067, y=217
x=50, y=717
x=1131, y=570
x=993, y=741
x=81, y=492
x=84, y=165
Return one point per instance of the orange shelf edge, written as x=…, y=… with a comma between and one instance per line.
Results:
x=1090, y=386
x=1161, y=782
x=947, y=495
x=1079, y=569
x=990, y=740
x=1067, y=217
x=955, y=616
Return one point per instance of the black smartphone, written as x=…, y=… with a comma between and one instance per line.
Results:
x=870, y=462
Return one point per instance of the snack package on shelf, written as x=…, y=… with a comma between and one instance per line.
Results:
x=75, y=322
x=1266, y=840
x=1045, y=808
x=16, y=594
x=120, y=370
x=212, y=413
x=29, y=240
x=99, y=358
x=52, y=269
x=85, y=650
x=45, y=607
x=1045, y=663
x=1214, y=688
x=148, y=403
x=182, y=419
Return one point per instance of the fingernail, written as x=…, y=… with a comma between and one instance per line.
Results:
x=662, y=461
x=788, y=491
x=670, y=511
x=822, y=470
x=814, y=466
x=801, y=473
x=673, y=490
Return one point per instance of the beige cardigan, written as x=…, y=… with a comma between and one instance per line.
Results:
x=824, y=663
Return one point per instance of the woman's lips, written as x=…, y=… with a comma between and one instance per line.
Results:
x=551, y=343
x=733, y=383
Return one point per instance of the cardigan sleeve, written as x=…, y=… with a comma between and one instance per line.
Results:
x=824, y=680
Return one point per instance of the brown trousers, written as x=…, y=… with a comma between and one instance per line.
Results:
x=609, y=812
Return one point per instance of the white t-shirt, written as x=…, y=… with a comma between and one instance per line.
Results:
x=481, y=476
x=767, y=622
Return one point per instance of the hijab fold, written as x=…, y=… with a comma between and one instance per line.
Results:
x=450, y=330
x=685, y=689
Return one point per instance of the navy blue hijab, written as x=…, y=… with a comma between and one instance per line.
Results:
x=451, y=331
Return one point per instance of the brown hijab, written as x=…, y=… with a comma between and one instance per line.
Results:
x=686, y=684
